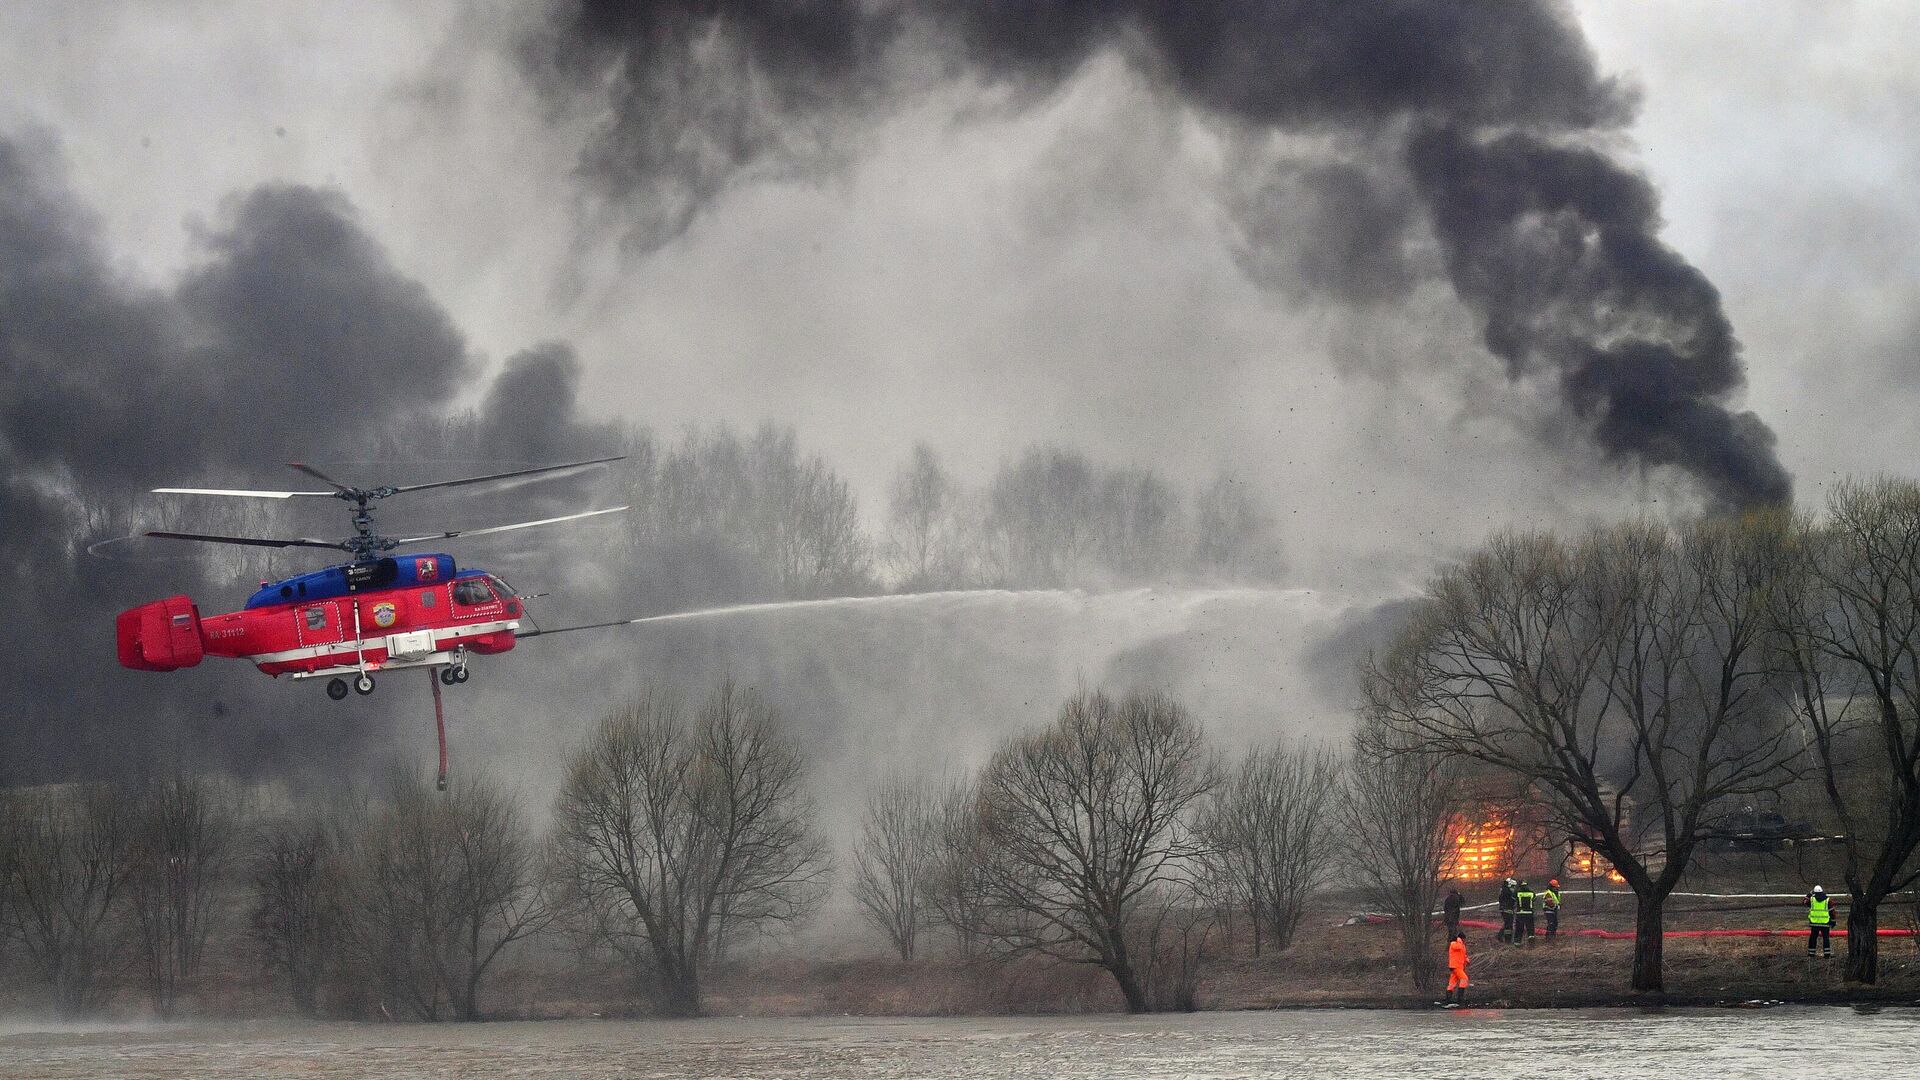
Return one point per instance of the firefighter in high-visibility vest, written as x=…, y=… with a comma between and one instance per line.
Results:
x=1820, y=921
x=1550, y=903
x=1522, y=914
x=1457, y=969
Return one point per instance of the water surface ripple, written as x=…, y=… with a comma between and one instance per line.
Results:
x=1697, y=1044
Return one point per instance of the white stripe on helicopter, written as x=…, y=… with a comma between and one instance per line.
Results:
x=349, y=648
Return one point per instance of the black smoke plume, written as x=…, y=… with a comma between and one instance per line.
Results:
x=1493, y=108
x=1558, y=247
x=293, y=336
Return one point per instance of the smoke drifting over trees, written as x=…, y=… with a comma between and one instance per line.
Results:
x=293, y=333
x=294, y=336
x=1482, y=115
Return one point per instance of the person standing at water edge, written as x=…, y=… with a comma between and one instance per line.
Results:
x=1550, y=903
x=1820, y=921
x=1457, y=969
x=1523, y=914
x=1451, y=910
x=1506, y=910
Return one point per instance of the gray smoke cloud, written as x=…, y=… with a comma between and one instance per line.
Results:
x=293, y=336
x=1489, y=114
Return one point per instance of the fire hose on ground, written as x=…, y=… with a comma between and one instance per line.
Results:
x=1785, y=899
x=1628, y=935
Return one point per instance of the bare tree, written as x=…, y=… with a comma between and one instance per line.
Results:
x=665, y=823
x=1627, y=668
x=920, y=527
x=443, y=884
x=1233, y=532
x=1041, y=518
x=793, y=517
x=894, y=861
x=1139, y=525
x=65, y=855
x=1054, y=517
x=1849, y=628
x=1392, y=818
x=184, y=829
x=1085, y=819
x=297, y=884
x=1174, y=931
x=1269, y=831
x=956, y=884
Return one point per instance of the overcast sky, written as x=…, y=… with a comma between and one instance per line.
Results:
x=983, y=276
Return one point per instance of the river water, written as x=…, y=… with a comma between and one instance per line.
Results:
x=1618, y=1044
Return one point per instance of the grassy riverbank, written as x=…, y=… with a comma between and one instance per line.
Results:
x=1333, y=966
x=1335, y=962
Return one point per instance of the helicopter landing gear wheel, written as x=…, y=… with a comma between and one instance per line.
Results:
x=337, y=689
x=447, y=677
x=363, y=685
x=460, y=674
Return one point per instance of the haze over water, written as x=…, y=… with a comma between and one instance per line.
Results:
x=1567, y=1045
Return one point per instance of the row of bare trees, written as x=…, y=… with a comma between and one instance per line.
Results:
x=100, y=883
x=761, y=516
x=1685, y=671
x=1114, y=837
x=1053, y=516
x=96, y=877
x=757, y=509
x=675, y=830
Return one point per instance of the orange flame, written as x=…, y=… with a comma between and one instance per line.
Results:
x=1479, y=851
x=1586, y=863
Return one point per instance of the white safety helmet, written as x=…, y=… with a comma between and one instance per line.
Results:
x=1510, y=881
x=1818, y=891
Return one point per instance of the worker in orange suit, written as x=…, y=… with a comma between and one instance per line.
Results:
x=1457, y=970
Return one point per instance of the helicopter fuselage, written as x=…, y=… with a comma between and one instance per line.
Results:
x=416, y=610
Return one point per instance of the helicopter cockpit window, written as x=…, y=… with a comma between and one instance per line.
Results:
x=316, y=618
x=471, y=591
x=500, y=585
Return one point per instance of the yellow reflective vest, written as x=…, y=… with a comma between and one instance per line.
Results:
x=1819, y=910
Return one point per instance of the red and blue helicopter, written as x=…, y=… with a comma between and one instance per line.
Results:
x=385, y=610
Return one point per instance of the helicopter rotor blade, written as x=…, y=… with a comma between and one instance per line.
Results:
x=504, y=475
x=241, y=493
x=248, y=541
x=318, y=475
x=508, y=528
